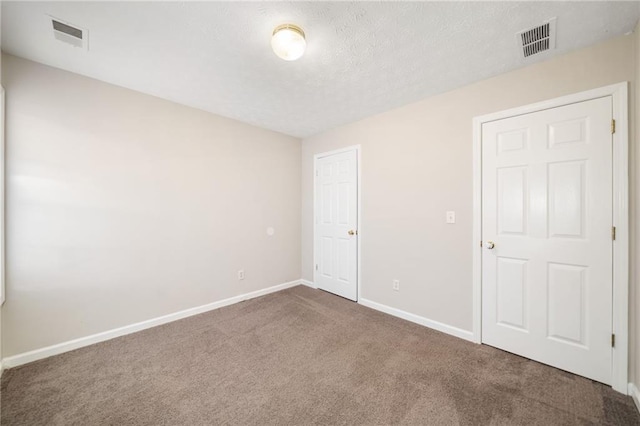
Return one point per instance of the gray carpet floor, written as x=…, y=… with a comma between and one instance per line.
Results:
x=297, y=357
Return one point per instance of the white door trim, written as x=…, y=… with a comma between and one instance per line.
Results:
x=620, y=113
x=2, y=199
x=316, y=157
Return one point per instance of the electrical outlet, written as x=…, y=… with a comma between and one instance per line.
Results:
x=396, y=285
x=451, y=217
x=241, y=274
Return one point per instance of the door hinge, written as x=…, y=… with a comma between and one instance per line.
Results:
x=613, y=340
x=316, y=266
x=480, y=243
x=613, y=233
x=613, y=126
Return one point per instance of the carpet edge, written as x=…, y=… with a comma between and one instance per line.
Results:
x=417, y=319
x=59, y=348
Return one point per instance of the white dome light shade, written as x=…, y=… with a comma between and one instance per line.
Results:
x=288, y=42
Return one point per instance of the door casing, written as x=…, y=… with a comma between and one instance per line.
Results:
x=2, y=199
x=316, y=157
x=620, y=308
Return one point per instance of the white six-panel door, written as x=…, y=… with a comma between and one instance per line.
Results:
x=336, y=217
x=547, y=236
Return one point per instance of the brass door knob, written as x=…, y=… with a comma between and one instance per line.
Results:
x=490, y=245
x=352, y=232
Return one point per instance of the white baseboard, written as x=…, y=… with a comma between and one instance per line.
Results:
x=445, y=328
x=635, y=394
x=27, y=357
x=308, y=284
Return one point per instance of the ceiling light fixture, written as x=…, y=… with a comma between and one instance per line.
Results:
x=288, y=42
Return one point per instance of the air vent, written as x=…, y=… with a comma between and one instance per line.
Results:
x=538, y=39
x=68, y=33
x=67, y=29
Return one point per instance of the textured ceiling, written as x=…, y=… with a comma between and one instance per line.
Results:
x=362, y=57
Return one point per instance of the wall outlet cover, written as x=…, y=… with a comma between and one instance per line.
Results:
x=451, y=217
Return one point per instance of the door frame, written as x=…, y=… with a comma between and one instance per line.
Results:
x=316, y=157
x=3, y=112
x=620, y=308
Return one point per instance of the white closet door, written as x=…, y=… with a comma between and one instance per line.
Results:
x=547, y=222
x=336, y=216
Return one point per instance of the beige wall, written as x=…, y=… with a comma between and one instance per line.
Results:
x=417, y=164
x=123, y=207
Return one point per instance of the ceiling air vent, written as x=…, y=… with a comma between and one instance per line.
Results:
x=538, y=39
x=70, y=34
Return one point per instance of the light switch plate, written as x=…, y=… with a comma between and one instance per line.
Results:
x=451, y=217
